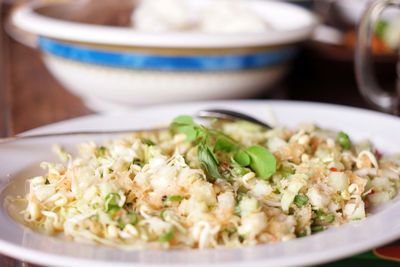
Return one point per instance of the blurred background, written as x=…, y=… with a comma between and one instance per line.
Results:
x=50, y=71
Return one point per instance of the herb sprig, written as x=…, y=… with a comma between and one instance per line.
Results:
x=209, y=141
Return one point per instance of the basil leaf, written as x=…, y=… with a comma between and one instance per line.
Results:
x=263, y=162
x=224, y=144
x=242, y=158
x=209, y=162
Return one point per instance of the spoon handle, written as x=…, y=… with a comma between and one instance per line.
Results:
x=77, y=133
x=230, y=115
x=207, y=114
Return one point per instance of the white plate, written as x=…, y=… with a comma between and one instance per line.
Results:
x=17, y=161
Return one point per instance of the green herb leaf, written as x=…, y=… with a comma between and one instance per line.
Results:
x=137, y=162
x=148, y=142
x=317, y=228
x=302, y=234
x=300, y=200
x=224, y=144
x=173, y=198
x=162, y=214
x=185, y=124
x=189, y=131
x=262, y=162
x=343, y=140
x=209, y=162
x=237, y=210
x=133, y=217
x=184, y=120
x=238, y=169
x=113, y=210
x=166, y=237
x=286, y=171
x=328, y=218
x=242, y=158
x=323, y=217
x=101, y=151
x=111, y=201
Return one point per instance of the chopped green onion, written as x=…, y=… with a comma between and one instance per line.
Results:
x=121, y=223
x=132, y=217
x=302, y=234
x=317, y=228
x=113, y=210
x=231, y=230
x=237, y=210
x=166, y=237
x=101, y=151
x=328, y=218
x=173, y=198
x=344, y=140
x=300, y=200
x=162, y=214
x=111, y=201
x=325, y=217
x=137, y=162
x=148, y=142
x=286, y=171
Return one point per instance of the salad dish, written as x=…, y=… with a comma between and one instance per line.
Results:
x=217, y=193
x=230, y=184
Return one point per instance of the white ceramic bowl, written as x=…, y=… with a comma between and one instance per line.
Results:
x=114, y=67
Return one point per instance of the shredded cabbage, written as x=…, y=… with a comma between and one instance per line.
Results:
x=148, y=190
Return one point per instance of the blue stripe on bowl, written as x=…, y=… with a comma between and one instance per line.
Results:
x=134, y=60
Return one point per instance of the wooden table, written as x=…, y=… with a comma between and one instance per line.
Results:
x=36, y=98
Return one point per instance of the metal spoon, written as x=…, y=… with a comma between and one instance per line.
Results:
x=204, y=114
x=229, y=115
